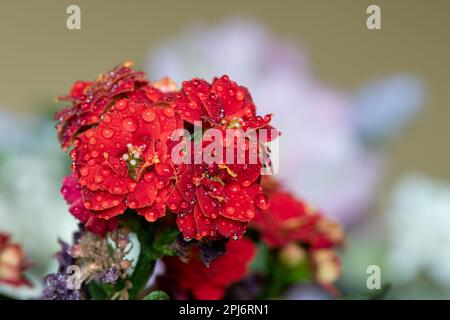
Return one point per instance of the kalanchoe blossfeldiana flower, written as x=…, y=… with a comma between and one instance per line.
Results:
x=289, y=219
x=122, y=155
x=210, y=283
x=295, y=228
x=12, y=263
x=219, y=199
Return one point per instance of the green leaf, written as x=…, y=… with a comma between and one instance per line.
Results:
x=157, y=295
x=162, y=246
x=96, y=291
x=259, y=264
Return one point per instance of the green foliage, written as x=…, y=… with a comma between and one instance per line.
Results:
x=157, y=295
x=162, y=245
x=259, y=263
x=280, y=276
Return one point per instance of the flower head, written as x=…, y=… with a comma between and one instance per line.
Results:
x=218, y=198
x=289, y=219
x=290, y=223
x=122, y=155
x=210, y=283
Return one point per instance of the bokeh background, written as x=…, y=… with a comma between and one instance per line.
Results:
x=374, y=105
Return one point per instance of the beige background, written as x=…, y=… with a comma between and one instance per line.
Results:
x=40, y=58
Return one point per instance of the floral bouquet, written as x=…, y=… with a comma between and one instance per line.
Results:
x=176, y=196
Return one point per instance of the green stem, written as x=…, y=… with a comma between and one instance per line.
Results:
x=146, y=261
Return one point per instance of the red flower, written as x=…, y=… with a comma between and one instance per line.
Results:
x=12, y=263
x=91, y=99
x=71, y=192
x=123, y=162
x=289, y=224
x=289, y=219
x=210, y=283
x=120, y=127
x=218, y=199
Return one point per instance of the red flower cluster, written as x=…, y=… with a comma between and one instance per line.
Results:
x=210, y=283
x=120, y=127
x=12, y=263
x=290, y=222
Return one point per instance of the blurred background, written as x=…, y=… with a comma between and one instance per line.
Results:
x=366, y=110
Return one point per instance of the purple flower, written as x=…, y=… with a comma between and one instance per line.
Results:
x=55, y=288
x=110, y=275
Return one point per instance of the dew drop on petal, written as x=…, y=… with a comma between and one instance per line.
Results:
x=121, y=104
x=148, y=115
x=129, y=124
x=169, y=112
x=107, y=133
x=262, y=201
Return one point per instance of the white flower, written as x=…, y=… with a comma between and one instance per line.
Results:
x=418, y=221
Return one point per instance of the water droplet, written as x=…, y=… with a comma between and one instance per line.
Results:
x=230, y=210
x=94, y=153
x=240, y=95
x=148, y=115
x=169, y=112
x=84, y=171
x=132, y=204
x=148, y=176
x=117, y=190
x=129, y=124
x=160, y=184
x=246, y=183
x=107, y=133
x=106, y=118
x=121, y=104
x=163, y=169
x=250, y=214
x=98, y=179
x=132, y=186
x=151, y=216
x=77, y=142
x=74, y=155
x=262, y=201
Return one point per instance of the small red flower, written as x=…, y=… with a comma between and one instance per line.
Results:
x=12, y=263
x=218, y=199
x=289, y=222
x=211, y=283
x=71, y=192
x=91, y=99
x=124, y=161
x=289, y=219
